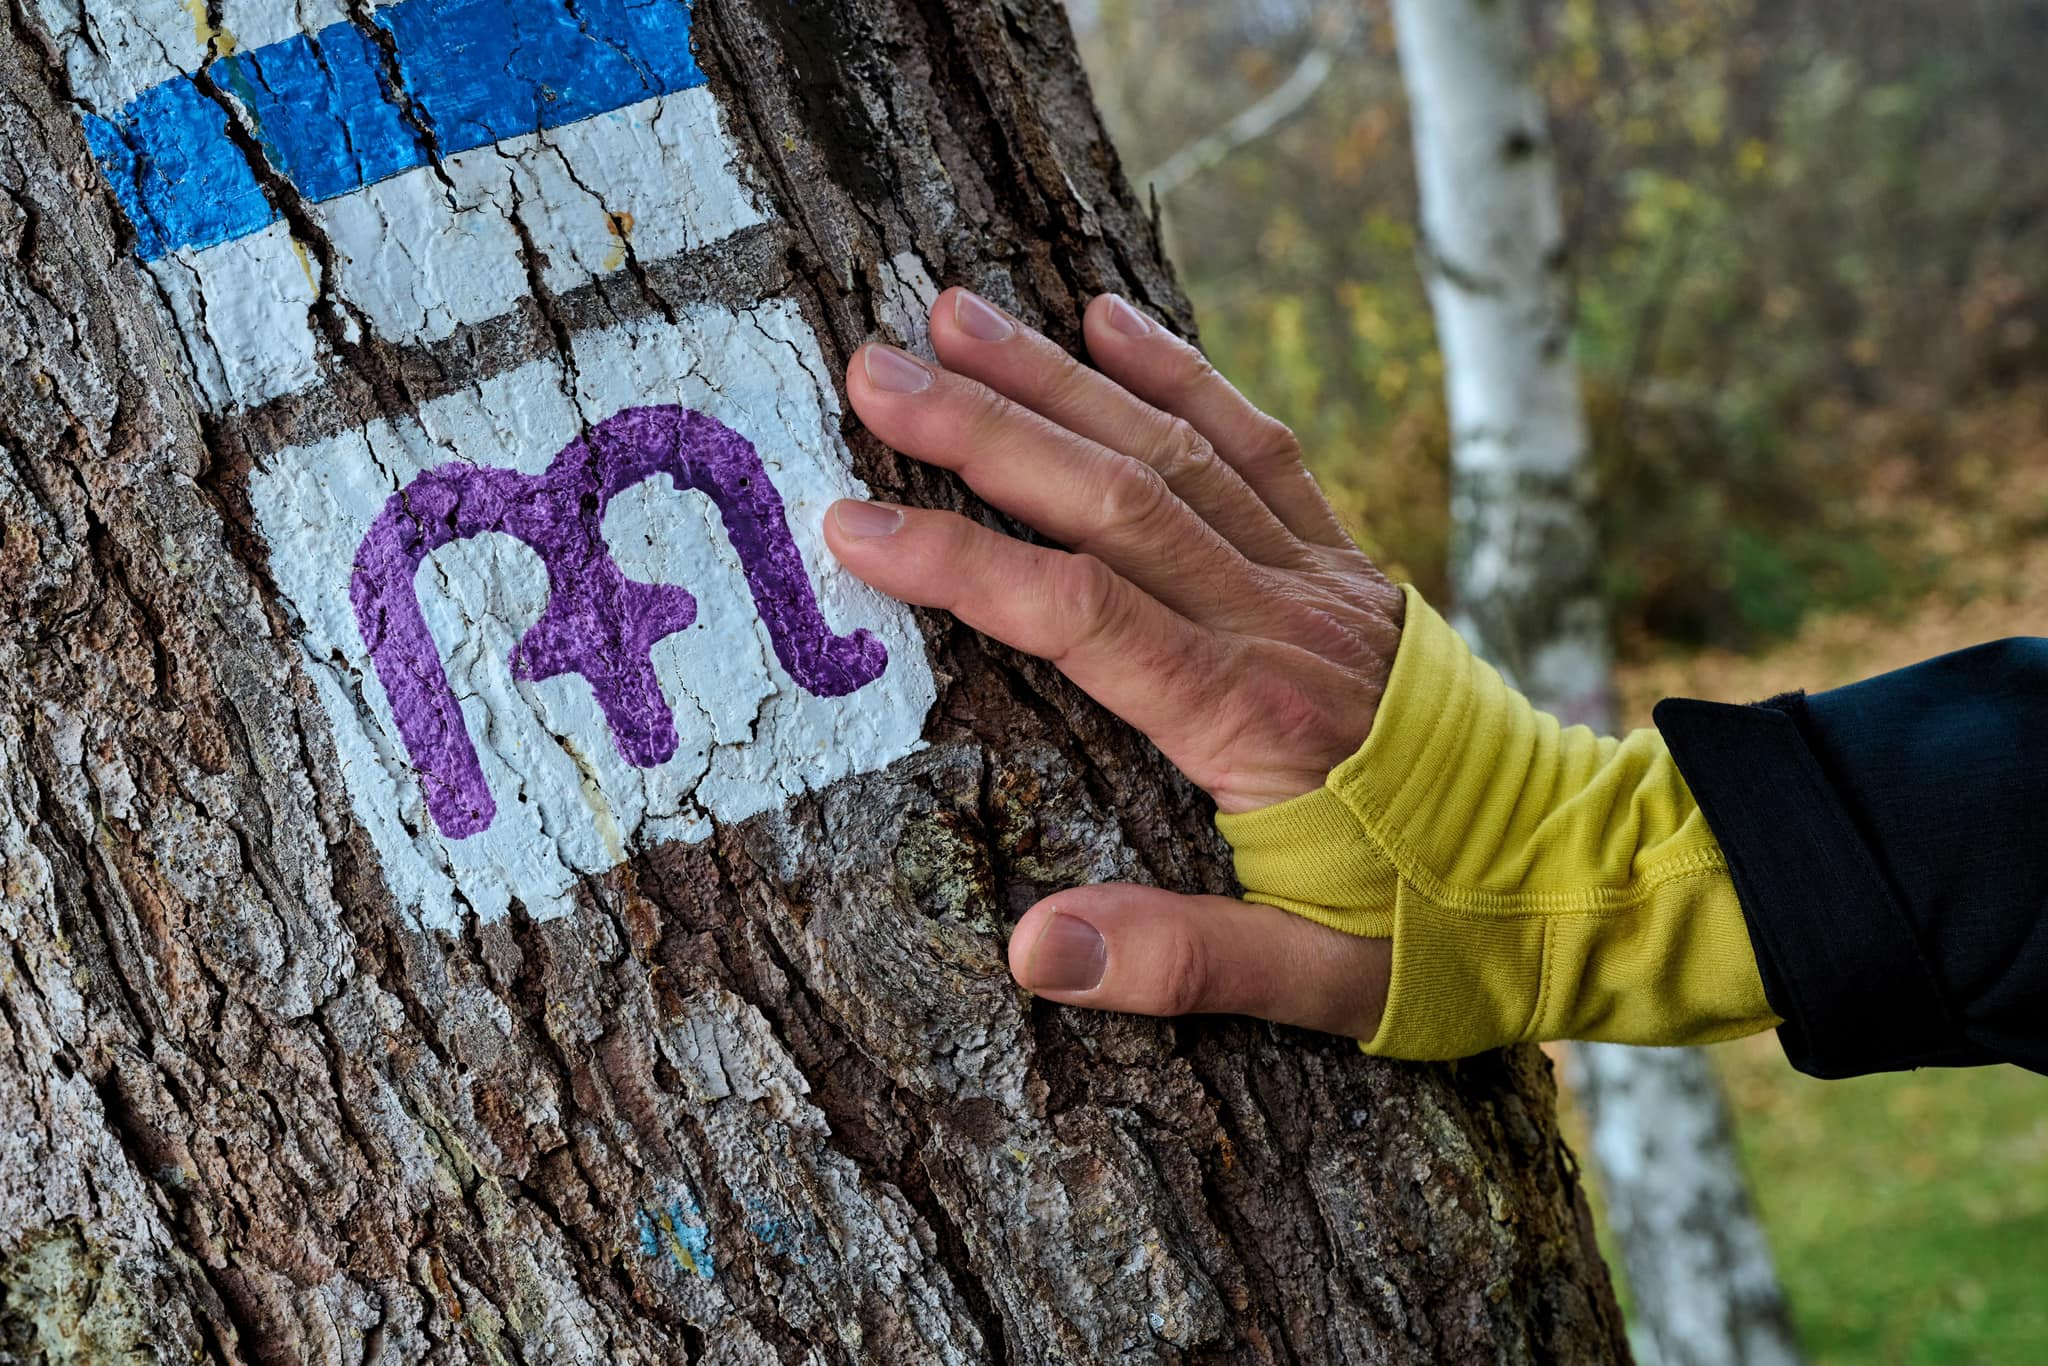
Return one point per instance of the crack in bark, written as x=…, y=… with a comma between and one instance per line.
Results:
x=347, y=331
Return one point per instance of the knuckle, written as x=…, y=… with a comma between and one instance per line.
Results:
x=1274, y=446
x=941, y=552
x=1194, y=373
x=1133, y=494
x=1089, y=595
x=985, y=417
x=1191, y=365
x=1068, y=383
x=1181, y=986
x=1183, y=453
x=959, y=541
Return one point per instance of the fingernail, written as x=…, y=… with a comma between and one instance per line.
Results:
x=866, y=520
x=980, y=319
x=1126, y=319
x=897, y=371
x=1069, y=956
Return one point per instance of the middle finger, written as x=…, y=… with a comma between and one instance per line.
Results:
x=974, y=339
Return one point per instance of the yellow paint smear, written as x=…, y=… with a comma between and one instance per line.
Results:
x=620, y=226
x=600, y=809
x=305, y=263
x=216, y=40
x=675, y=1244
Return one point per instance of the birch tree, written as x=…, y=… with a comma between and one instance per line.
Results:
x=1526, y=588
x=470, y=897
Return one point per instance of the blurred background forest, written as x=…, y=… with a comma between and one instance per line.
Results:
x=1810, y=244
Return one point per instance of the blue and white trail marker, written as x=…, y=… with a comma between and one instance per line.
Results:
x=345, y=107
x=549, y=613
x=587, y=125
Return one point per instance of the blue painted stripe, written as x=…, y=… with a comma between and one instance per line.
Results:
x=474, y=72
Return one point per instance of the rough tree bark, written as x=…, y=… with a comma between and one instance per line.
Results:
x=1526, y=582
x=727, y=1070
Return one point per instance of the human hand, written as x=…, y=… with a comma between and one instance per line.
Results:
x=1210, y=599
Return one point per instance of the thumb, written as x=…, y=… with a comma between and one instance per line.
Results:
x=1150, y=952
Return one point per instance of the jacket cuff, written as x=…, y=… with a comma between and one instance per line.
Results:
x=1839, y=958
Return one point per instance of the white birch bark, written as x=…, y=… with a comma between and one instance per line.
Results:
x=1525, y=575
x=1705, y=1288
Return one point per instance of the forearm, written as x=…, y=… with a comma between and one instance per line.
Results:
x=1862, y=868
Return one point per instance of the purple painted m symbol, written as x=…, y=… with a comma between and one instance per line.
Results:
x=598, y=623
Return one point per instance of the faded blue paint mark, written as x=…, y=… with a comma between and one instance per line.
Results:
x=321, y=104
x=678, y=1230
x=776, y=1232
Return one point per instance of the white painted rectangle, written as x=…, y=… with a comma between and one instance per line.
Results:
x=568, y=804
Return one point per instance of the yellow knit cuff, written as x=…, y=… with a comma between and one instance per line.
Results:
x=1537, y=881
x=1312, y=857
x=1435, y=713
x=1459, y=987
x=1674, y=966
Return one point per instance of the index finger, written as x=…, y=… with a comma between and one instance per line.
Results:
x=974, y=339
x=1123, y=647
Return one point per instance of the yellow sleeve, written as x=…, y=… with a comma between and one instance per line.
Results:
x=1538, y=882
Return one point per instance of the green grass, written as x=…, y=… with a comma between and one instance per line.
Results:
x=1908, y=1212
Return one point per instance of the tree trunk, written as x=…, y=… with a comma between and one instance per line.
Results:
x=1526, y=582
x=1678, y=1205
x=476, y=964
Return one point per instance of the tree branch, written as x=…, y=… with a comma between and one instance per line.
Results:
x=1265, y=114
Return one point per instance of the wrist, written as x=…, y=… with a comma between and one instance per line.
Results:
x=1537, y=881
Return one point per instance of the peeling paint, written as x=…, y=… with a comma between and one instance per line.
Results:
x=472, y=73
x=216, y=39
x=417, y=208
x=779, y=1233
x=620, y=225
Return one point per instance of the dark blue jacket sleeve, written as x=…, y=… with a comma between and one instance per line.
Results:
x=1889, y=844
